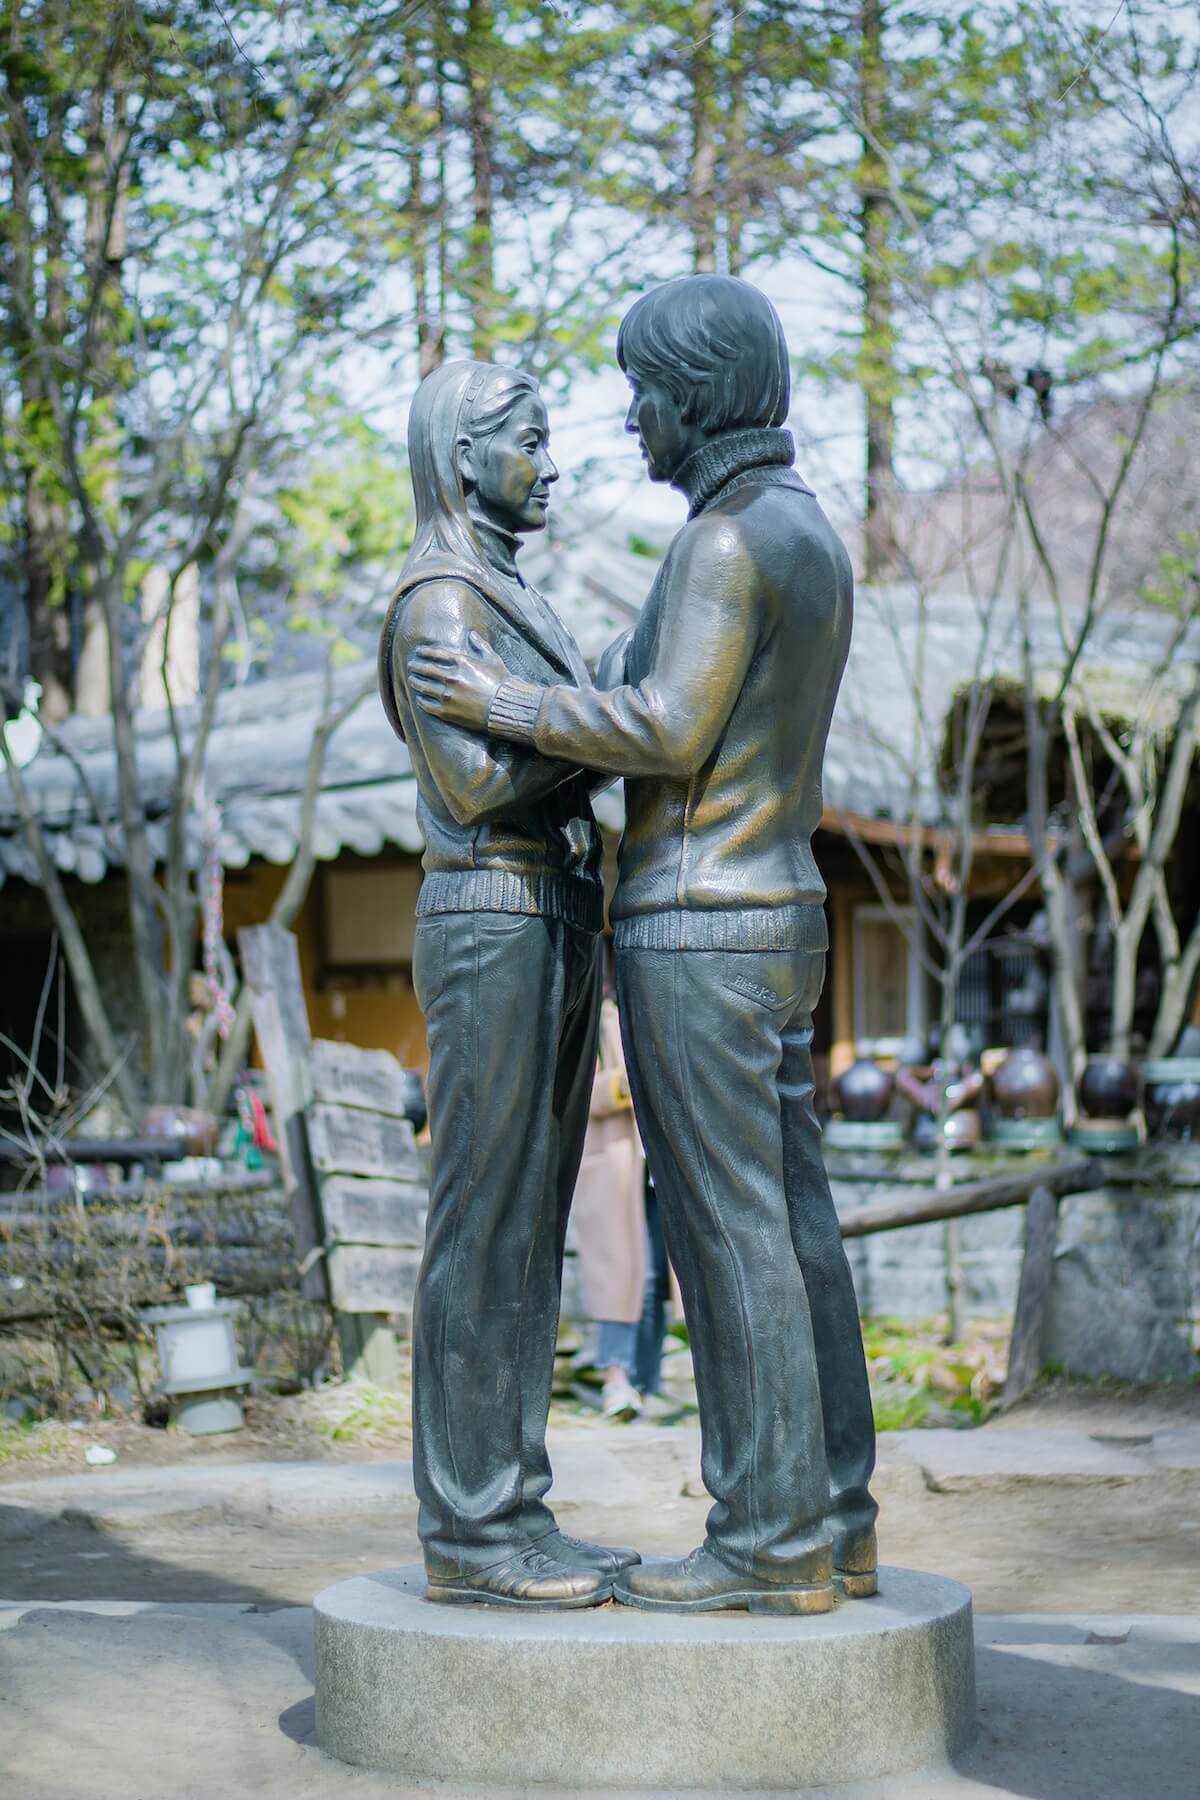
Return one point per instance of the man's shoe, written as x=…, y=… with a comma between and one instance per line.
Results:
x=529, y=1578
x=577, y=1553
x=855, y=1562
x=701, y=1582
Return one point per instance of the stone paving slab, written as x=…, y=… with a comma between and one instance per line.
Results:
x=632, y=1467
x=196, y=1702
x=955, y=1461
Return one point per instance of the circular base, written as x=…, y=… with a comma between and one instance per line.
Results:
x=205, y=1414
x=1103, y=1137
x=1026, y=1134
x=615, y=1698
x=864, y=1134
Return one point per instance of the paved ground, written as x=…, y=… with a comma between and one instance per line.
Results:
x=1038, y=1518
x=157, y=1644
x=119, y=1701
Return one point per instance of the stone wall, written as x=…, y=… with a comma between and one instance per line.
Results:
x=902, y=1274
x=1126, y=1294
x=1125, y=1301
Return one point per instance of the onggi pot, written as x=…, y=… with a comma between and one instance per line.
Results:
x=863, y=1092
x=1108, y=1087
x=1173, y=1097
x=1025, y=1086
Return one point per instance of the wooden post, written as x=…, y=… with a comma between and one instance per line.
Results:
x=271, y=971
x=1027, y=1344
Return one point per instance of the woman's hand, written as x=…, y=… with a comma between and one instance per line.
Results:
x=454, y=685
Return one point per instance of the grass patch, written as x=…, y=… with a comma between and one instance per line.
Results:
x=358, y=1412
x=916, y=1379
x=33, y=1441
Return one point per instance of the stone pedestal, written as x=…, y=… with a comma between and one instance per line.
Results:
x=616, y=1698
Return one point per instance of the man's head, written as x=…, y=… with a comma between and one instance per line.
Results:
x=704, y=355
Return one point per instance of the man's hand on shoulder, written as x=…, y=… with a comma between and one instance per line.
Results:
x=457, y=685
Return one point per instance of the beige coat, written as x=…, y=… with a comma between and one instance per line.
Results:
x=609, y=1209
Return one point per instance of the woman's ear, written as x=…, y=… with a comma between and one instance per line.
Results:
x=464, y=457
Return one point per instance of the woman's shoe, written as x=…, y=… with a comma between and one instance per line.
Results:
x=619, y=1402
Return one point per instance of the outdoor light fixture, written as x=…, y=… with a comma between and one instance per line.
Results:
x=199, y=1358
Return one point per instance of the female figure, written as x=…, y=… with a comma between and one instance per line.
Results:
x=506, y=972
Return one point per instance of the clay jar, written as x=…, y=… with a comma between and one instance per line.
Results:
x=1108, y=1088
x=863, y=1092
x=184, y=1129
x=1025, y=1086
x=1173, y=1097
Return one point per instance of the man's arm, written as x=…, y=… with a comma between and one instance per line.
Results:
x=478, y=780
x=665, y=724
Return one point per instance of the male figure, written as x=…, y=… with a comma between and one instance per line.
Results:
x=715, y=709
x=507, y=974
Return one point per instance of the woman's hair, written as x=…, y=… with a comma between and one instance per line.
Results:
x=716, y=345
x=461, y=399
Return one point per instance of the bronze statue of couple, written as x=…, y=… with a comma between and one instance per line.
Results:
x=714, y=709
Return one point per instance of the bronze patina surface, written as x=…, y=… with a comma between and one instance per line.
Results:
x=506, y=971
x=715, y=709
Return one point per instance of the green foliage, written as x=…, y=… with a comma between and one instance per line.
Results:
x=918, y=1380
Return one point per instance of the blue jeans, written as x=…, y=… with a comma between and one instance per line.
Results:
x=637, y=1347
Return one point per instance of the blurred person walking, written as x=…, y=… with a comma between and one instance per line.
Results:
x=622, y=1257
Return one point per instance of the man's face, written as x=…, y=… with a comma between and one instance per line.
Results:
x=512, y=470
x=656, y=420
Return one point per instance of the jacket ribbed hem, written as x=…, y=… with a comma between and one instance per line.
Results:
x=514, y=709
x=800, y=927
x=574, y=901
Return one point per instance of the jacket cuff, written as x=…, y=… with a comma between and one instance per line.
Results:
x=514, y=710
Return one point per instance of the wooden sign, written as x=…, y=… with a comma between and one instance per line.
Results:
x=366, y=1279
x=345, y=1141
x=359, y=1210
x=348, y=1076
x=271, y=971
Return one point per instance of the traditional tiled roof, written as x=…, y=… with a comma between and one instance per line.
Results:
x=257, y=752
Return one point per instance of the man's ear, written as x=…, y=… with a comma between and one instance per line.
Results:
x=464, y=456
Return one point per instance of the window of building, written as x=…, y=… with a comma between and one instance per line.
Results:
x=368, y=917
x=889, y=982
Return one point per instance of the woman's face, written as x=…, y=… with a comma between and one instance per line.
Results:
x=510, y=472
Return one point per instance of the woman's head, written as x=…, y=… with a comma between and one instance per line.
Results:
x=503, y=454
x=477, y=450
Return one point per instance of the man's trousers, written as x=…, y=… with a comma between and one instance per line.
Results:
x=718, y=1046
x=512, y=1006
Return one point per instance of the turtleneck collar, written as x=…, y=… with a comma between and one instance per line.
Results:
x=500, y=547
x=718, y=460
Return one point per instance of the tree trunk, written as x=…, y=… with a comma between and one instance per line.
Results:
x=702, y=169
x=36, y=317
x=1178, y=992
x=478, y=56
x=878, y=359
x=430, y=327
x=106, y=240
x=735, y=156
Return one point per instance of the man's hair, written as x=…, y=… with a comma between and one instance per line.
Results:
x=716, y=345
